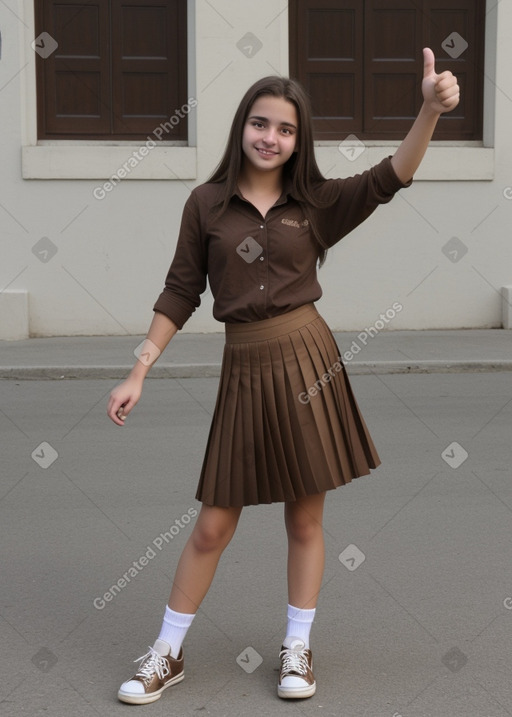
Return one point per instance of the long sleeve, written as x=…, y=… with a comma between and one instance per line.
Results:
x=186, y=278
x=353, y=199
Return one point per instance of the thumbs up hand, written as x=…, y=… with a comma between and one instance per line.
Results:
x=440, y=92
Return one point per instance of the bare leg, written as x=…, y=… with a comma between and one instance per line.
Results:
x=212, y=532
x=306, y=553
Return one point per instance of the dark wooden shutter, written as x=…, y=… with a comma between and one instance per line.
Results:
x=75, y=77
x=375, y=46
x=119, y=69
x=146, y=51
x=327, y=45
x=467, y=19
x=393, y=66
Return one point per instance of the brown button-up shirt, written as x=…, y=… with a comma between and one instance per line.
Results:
x=259, y=267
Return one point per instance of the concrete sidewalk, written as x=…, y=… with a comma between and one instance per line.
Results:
x=199, y=355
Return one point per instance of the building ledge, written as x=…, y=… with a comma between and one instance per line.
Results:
x=90, y=161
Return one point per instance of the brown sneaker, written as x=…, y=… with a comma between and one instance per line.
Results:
x=157, y=671
x=296, y=678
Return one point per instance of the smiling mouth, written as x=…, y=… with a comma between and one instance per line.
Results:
x=266, y=152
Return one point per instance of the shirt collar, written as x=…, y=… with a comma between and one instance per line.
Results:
x=287, y=192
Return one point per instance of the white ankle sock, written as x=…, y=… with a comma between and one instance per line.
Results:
x=174, y=628
x=299, y=623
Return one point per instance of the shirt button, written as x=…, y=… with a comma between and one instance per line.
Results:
x=262, y=287
x=261, y=258
x=261, y=226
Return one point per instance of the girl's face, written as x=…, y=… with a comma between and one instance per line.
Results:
x=270, y=133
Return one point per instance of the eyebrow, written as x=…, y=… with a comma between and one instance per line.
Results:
x=265, y=119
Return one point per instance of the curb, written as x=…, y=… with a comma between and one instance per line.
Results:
x=53, y=373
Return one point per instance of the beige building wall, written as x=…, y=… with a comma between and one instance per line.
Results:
x=80, y=260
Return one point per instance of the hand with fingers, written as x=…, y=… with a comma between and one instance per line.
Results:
x=440, y=92
x=122, y=399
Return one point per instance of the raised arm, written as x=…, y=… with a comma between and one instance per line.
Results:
x=440, y=94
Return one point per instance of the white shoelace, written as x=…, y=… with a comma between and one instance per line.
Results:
x=294, y=661
x=152, y=662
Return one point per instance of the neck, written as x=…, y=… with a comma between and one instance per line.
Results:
x=261, y=182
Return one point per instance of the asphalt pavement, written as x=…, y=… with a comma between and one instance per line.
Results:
x=415, y=614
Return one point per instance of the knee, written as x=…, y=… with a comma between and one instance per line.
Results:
x=211, y=536
x=302, y=527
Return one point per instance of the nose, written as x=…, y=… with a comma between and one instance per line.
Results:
x=270, y=136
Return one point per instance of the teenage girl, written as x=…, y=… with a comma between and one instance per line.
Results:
x=286, y=426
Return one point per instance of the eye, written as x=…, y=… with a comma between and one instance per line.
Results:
x=257, y=123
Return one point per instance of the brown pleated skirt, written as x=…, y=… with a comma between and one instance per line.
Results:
x=286, y=423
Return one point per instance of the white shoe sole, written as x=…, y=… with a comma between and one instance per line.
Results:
x=291, y=693
x=144, y=699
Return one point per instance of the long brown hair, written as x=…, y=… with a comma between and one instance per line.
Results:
x=301, y=168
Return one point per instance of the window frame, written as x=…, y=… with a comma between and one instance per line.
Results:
x=171, y=160
x=388, y=129
x=110, y=68
x=61, y=159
